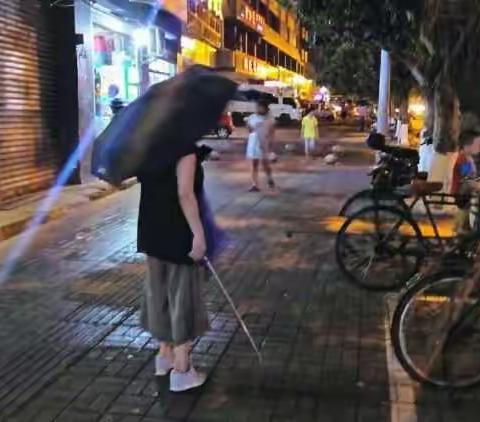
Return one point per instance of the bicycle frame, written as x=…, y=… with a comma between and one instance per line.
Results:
x=440, y=199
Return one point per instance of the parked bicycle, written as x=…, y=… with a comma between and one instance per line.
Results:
x=436, y=325
x=381, y=247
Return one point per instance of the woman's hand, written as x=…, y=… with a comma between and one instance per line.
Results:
x=199, y=248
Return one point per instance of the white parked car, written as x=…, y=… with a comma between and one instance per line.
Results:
x=283, y=109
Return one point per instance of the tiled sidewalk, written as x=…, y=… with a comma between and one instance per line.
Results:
x=72, y=350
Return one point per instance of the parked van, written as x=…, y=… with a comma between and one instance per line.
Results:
x=283, y=109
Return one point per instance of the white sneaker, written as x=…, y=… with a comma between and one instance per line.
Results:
x=183, y=381
x=162, y=366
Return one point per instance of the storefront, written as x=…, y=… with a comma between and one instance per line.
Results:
x=116, y=69
x=128, y=57
x=128, y=46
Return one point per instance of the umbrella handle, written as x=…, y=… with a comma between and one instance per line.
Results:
x=240, y=320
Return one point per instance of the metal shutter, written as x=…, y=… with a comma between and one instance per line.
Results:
x=28, y=100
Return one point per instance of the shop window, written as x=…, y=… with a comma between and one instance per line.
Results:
x=272, y=55
x=263, y=10
x=240, y=42
x=251, y=44
x=262, y=49
x=229, y=37
x=117, y=75
x=274, y=21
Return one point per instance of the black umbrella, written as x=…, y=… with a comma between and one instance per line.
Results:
x=157, y=128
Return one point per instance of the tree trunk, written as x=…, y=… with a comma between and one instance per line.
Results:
x=446, y=130
x=404, y=108
x=446, y=117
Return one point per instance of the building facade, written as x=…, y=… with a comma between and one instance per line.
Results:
x=264, y=41
x=203, y=33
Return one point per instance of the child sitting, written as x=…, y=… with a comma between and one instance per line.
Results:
x=463, y=183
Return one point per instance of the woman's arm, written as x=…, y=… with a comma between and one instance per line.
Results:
x=186, y=168
x=250, y=125
x=270, y=134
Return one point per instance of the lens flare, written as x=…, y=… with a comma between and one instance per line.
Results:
x=28, y=235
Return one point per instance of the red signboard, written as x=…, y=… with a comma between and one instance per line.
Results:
x=252, y=19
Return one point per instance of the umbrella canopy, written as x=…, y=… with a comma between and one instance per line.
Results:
x=157, y=128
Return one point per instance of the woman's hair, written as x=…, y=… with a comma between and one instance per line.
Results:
x=467, y=138
x=263, y=103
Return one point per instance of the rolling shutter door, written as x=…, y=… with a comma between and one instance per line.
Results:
x=28, y=133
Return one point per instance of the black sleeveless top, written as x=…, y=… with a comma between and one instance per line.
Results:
x=163, y=231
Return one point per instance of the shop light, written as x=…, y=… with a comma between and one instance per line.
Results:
x=417, y=108
x=275, y=84
x=298, y=79
x=187, y=43
x=262, y=71
x=141, y=37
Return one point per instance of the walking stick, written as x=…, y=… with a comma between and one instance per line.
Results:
x=234, y=308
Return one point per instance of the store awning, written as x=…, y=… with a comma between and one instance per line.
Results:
x=144, y=14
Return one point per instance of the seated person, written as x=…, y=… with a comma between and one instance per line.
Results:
x=463, y=178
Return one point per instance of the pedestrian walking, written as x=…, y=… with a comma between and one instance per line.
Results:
x=310, y=132
x=172, y=235
x=262, y=129
x=363, y=115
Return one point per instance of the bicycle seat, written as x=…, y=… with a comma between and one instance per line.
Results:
x=422, y=175
x=423, y=188
x=402, y=153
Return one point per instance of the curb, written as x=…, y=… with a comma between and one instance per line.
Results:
x=16, y=227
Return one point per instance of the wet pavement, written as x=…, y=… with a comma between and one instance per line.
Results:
x=72, y=349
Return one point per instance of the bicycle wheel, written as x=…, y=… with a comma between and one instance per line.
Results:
x=436, y=331
x=371, y=197
x=379, y=248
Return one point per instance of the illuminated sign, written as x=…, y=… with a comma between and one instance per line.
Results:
x=252, y=19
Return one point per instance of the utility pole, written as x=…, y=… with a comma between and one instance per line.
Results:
x=384, y=94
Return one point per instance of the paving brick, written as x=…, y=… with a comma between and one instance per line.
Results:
x=78, y=416
x=131, y=405
x=120, y=418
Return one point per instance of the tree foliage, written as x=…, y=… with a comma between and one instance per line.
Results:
x=435, y=39
x=390, y=24
x=350, y=68
x=431, y=37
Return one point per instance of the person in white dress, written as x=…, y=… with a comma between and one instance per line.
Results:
x=262, y=128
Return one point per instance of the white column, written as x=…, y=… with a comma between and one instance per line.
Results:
x=384, y=94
